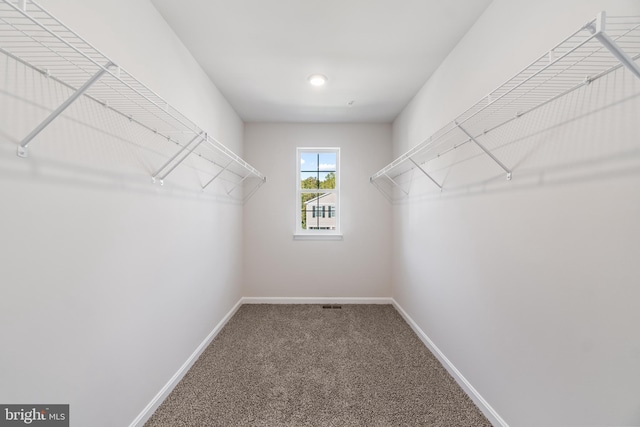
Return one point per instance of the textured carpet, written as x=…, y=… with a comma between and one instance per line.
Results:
x=302, y=365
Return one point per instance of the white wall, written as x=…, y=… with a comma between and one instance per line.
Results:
x=108, y=282
x=277, y=266
x=530, y=287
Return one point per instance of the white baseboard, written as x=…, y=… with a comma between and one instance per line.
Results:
x=146, y=413
x=480, y=402
x=315, y=300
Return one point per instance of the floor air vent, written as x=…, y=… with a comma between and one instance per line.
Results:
x=332, y=306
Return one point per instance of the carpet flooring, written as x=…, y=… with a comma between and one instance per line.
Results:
x=302, y=365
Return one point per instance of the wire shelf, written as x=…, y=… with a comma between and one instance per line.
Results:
x=33, y=37
x=599, y=48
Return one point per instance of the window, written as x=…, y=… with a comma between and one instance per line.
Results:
x=318, y=192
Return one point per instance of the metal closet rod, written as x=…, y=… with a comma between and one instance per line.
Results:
x=521, y=114
x=105, y=104
x=597, y=29
x=95, y=57
x=106, y=60
x=428, y=142
x=162, y=173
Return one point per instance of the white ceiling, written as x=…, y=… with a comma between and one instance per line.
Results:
x=377, y=53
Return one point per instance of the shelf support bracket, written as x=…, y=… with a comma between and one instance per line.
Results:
x=397, y=185
x=22, y=148
x=599, y=32
x=237, y=184
x=217, y=175
x=194, y=143
x=425, y=172
x=386, y=196
x=487, y=152
x=155, y=175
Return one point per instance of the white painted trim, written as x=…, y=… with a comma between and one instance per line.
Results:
x=317, y=236
x=484, y=406
x=315, y=300
x=146, y=413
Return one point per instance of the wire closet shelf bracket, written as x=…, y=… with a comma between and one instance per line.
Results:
x=31, y=36
x=598, y=48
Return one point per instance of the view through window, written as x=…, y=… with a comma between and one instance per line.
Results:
x=318, y=190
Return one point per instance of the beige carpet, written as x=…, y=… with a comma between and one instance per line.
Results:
x=302, y=365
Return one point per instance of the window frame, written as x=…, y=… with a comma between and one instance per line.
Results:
x=317, y=234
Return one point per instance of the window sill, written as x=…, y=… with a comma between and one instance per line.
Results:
x=317, y=237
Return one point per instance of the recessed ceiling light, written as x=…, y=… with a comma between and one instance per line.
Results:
x=317, y=79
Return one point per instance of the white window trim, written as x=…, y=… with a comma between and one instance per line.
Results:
x=301, y=234
x=315, y=236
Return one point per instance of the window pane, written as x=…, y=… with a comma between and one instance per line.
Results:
x=308, y=161
x=317, y=189
x=318, y=179
x=309, y=180
x=327, y=162
x=318, y=211
x=318, y=170
x=309, y=209
x=328, y=180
